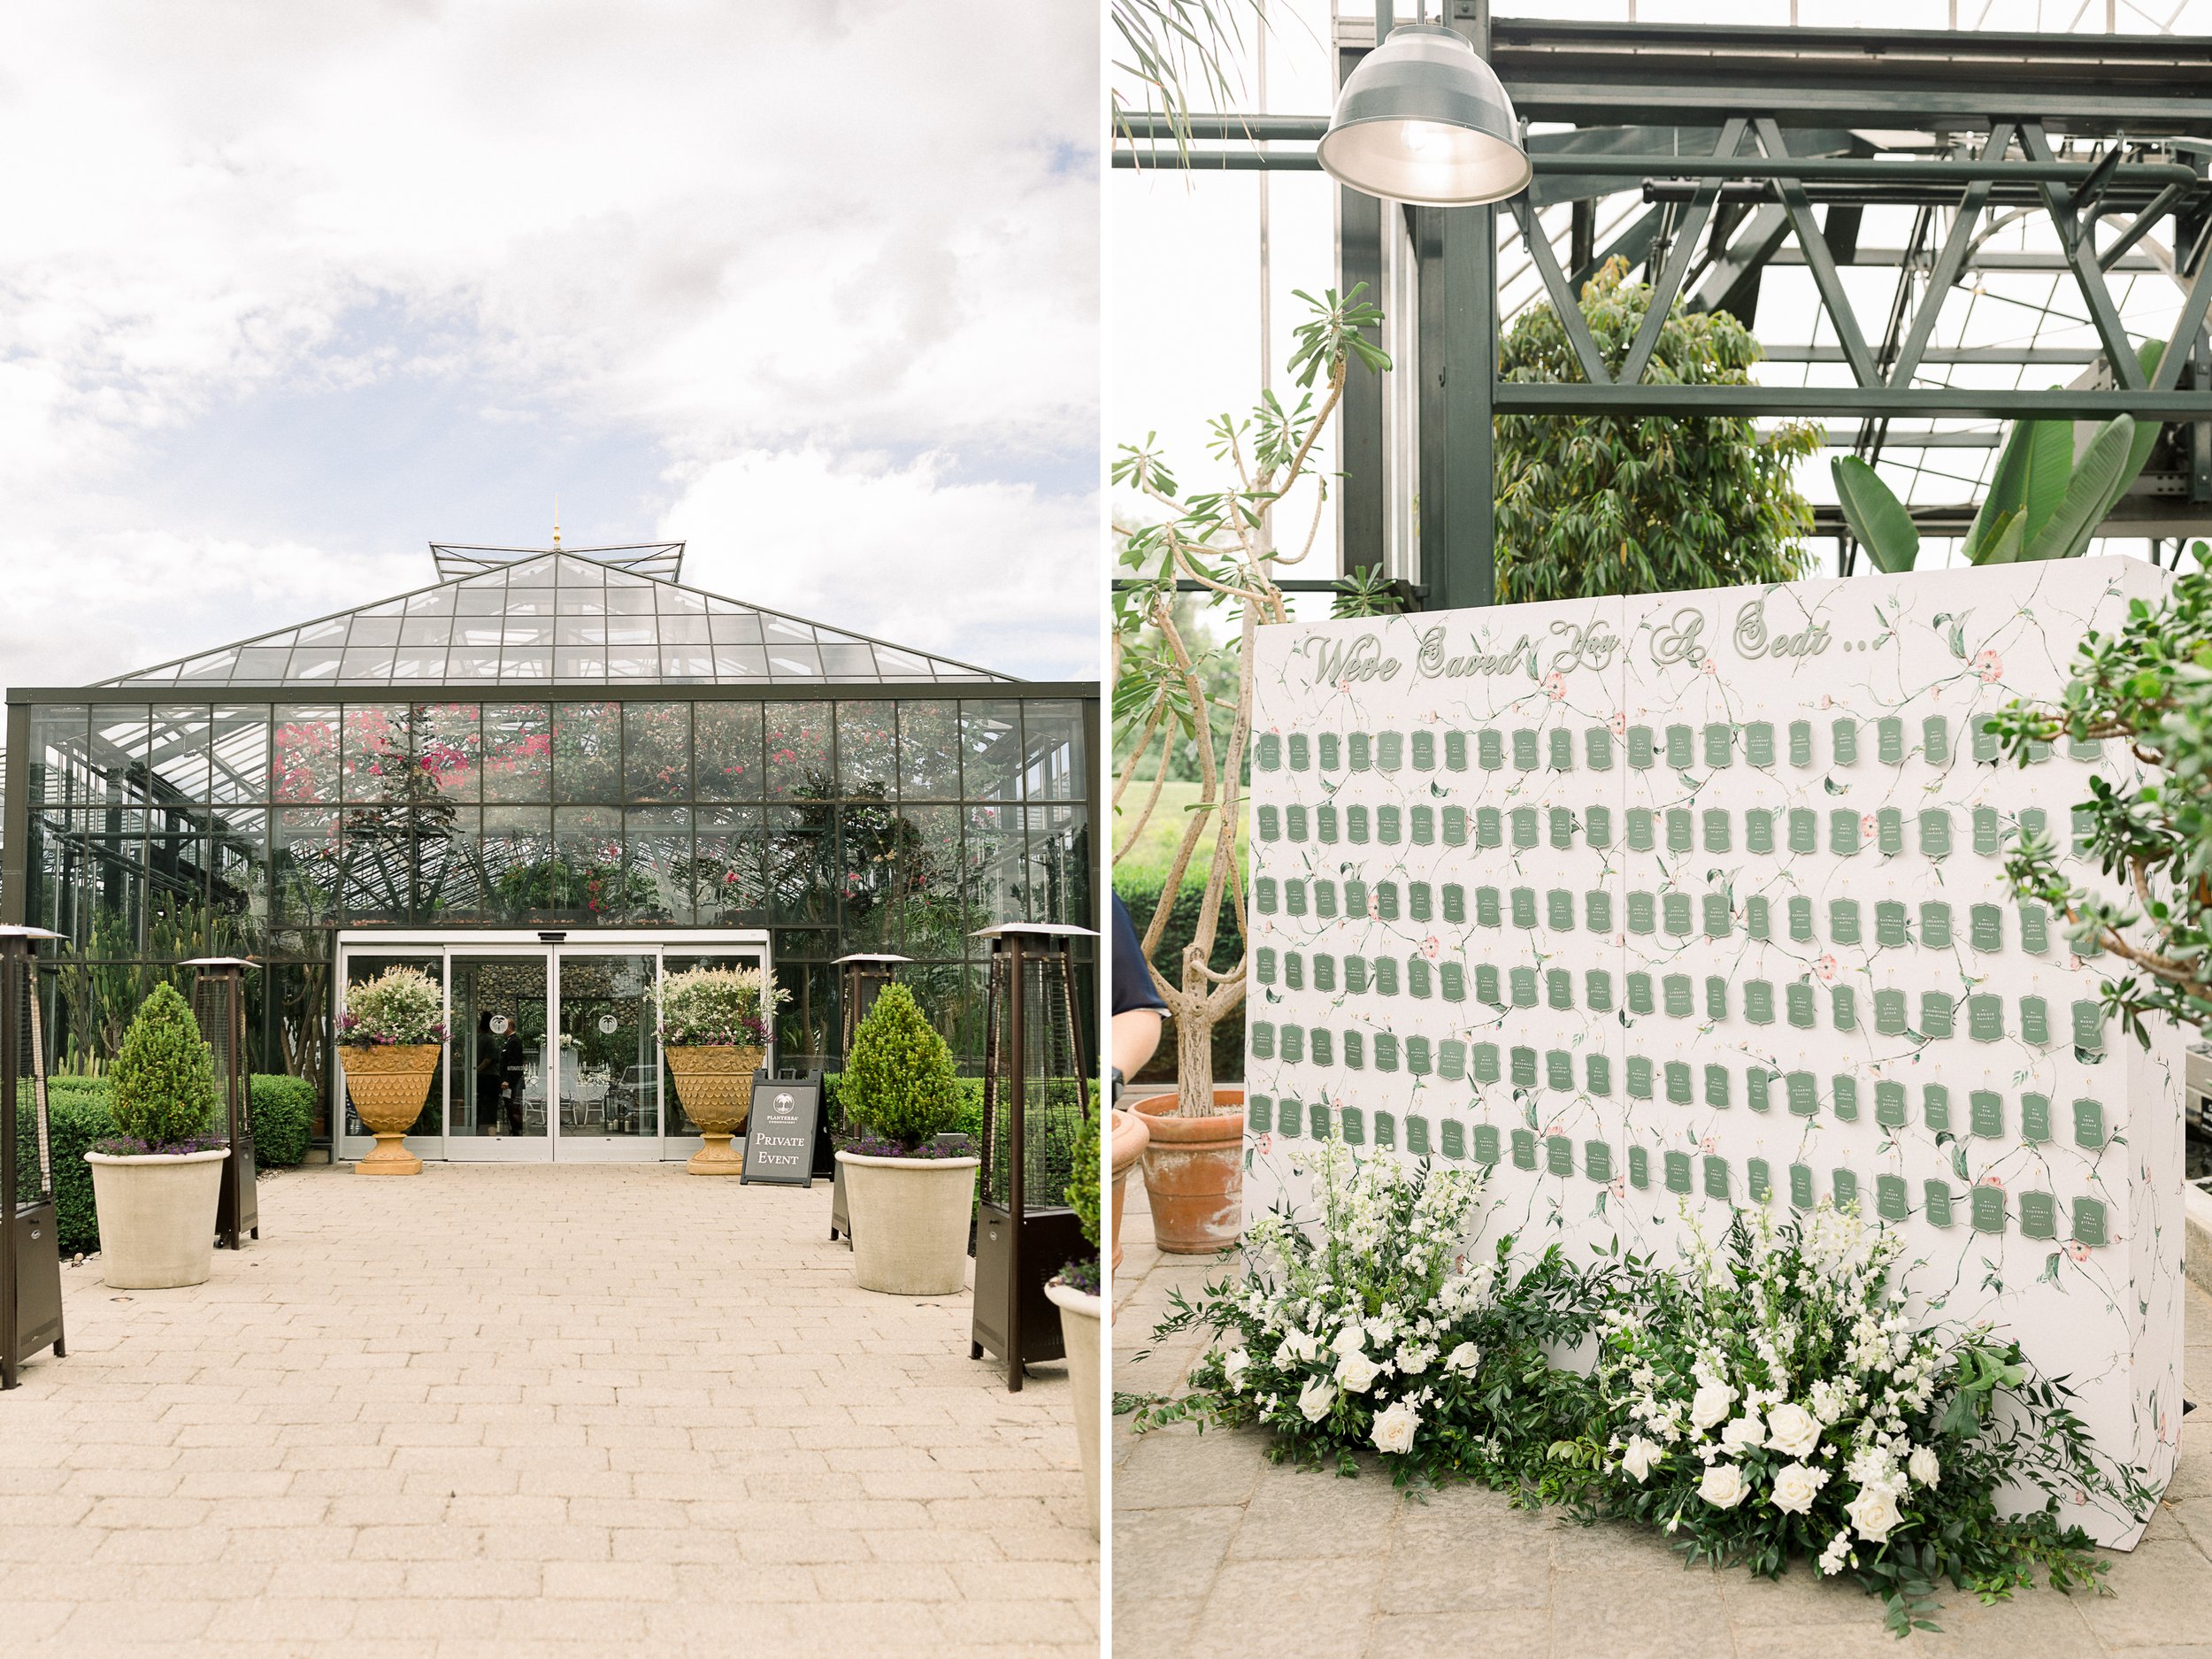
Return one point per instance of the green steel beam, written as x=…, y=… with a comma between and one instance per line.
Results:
x=1964, y=403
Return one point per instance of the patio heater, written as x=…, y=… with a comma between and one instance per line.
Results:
x=1036, y=1093
x=863, y=976
x=219, y=1003
x=30, y=1250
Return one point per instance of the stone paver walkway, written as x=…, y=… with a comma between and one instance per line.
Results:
x=1219, y=1553
x=513, y=1411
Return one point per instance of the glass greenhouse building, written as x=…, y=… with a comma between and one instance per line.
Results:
x=547, y=779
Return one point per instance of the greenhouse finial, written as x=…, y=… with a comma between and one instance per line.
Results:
x=556, y=520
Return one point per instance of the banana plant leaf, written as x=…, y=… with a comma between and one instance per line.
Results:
x=2004, y=546
x=1884, y=528
x=2096, y=484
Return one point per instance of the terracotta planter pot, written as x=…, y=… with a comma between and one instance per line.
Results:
x=715, y=1083
x=389, y=1082
x=909, y=1222
x=156, y=1216
x=1193, y=1176
x=1130, y=1137
x=1079, y=1328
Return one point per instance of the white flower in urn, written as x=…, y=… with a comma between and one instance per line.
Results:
x=1796, y=1486
x=1874, y=1511
x=1464, y=1359
x=1743, y=1434
x=1793, y=1430
x=1357, y=1372
x=1640, y=1456
x=1316, y=1398
x=1923, y=1467
x=1394, y=1428
x=1723, y=1486
x=1350, y=1339
x=1711, y=1403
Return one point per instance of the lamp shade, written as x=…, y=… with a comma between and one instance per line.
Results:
x=1424, y=119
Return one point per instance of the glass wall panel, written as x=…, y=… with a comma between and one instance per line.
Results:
x=729, y=760
x=730, y=879
x=517, y=853
x=661, y=871
x=587, y=876
x=518, y=752
x=376, y=867
x=450, y=869
x=871, y=839
x=807, y=1025
x=798, y=741
x=177, y=753
x=1059, y=865
x=304, y=754
x=933, y=919
x=60, y=761
x=991, y=734
x=997, y=861
x=802, y=873
x=121, y=735
x=238, y=749
x=656, y=751
x=304, y=865
x=96, y=1002
x=447, y=746
x=867, y=748
x=302, y=1029
x=1054, y=733
x=588, y=751
x=375, y=760
x=929, y=751
x=238, y=875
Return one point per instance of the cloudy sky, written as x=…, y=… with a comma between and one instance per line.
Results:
x=287, y=292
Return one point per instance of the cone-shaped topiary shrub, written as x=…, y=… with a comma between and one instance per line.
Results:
x=1081, y=1272
x=898, y=1078
x=161, y=1088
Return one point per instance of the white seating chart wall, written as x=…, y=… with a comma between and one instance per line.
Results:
x=1680, y=903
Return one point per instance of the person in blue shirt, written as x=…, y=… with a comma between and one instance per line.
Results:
x=1138, y=1012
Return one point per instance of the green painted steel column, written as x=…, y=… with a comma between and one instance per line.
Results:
x=1464, y=573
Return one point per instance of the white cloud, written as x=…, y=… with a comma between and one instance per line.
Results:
x=813, y=231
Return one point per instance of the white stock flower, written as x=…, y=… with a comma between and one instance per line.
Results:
x=1316, y=1398
x=1412, y=1361
x=1356, y=1371
x=1924, y=1466
x=1831, y=1558
x=1394, y=1428
x=1796, y=1486
x=1723, y=1486
x=1874, y=1511
x=1350, y=1339
x=1793, y=1430
x=1711, y=1403
x=1640, y=1456
x=1465, y=1357
x=1743, y=1434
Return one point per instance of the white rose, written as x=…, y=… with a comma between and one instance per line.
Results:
x=1299, y=1347
x=1796, y=1486
x=1233, y=1366
x=1793, y=1430
x=1874, y=1511
x=1743, y=1434
x=1924, y=1469
x=1394, y=1428
x=1350, y=1339
x=1356, y=1372
x=1465, y=1357
x=1316, y=1398
x=1640, y=1456
x=1723, y=1486
x=1711, y=1404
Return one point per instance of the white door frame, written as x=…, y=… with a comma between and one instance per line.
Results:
x=445, y=943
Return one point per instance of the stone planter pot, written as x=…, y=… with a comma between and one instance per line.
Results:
x=1193, y=1176
x=715, y=1083
x=156, y=1216
x=389, y=1082
x=909, y=1222
x=1079, y=1328
x=1130, y=1138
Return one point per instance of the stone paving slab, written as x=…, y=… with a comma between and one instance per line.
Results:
x=1219, y=1554
x=520, y=1410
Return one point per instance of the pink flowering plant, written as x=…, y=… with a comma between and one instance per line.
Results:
x=718, y=1007
x=400, y=1005
x=1776, y=1398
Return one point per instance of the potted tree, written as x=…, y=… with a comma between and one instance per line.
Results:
x=389, y=1038
x=714, y=1030
x=910, y=1203
x=1130, y=1138
x=1075, y=1292
x=155, y=1184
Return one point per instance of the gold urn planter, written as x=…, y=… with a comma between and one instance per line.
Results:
x=389, y=1082
x=714, y=1081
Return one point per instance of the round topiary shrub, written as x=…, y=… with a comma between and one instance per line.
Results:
x=161, y=1089
x=899, y=1079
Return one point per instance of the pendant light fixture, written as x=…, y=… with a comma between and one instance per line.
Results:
x=1424, y=119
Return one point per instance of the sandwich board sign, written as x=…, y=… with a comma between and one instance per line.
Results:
x=1672, y=904
x=780, y=1130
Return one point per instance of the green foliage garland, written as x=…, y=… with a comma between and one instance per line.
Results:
x=1590, y=505
x=162, y=1086
x=898, y=1079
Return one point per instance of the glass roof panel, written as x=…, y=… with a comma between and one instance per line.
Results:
x=547, y=616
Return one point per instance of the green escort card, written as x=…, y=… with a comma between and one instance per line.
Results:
x=1716, y=825
x=1424, y=746
x=1716, y=921
x=1638, y=1167
x=1889, y=1013
x=1301, y=752
x=2089, y=1222
x=1597, y=990
x=1757, y=1181
x=2088, y=1125
x=1757, y=1083
x=1988, y=1209
x=1294, y=897
x=1523, y=983
x=1643, y=913
x=1418, y=977
x=2035, y=1021
x=2084, y=829
x=1270, y=751
x=1935, y=1203
x=1263, y=965
x=1843, y=1008
x=1845, y=738
x=1386, y=901
x=1935, y=833
x=1843, y=832
x=1597, y=910
x=1325, y=824
x=1264, y=895
x=1455, y=751
x=1845, y=1184
x=1639, y=994
x=1423, y=822
x=2035, y=928
x=1889, y=740
x=1561, y=750
x=1678, y=1171
x=1889, y=923
x=1935, y=1013
x=1758, y=1003
x=1355, y=1133
x=1331, y=760
x=2084, y=748
x=1717, y=1086
x=2039, y=1215
x=1804, y=830
x=1597, y=826
x=1451, y=1059
x=1640, y=833
x=1758, y=743
x=1263, y=1039
x=1598, y=1075
x=1522, y=1064
x=2089, y=1027
x=1800, y=742
x=1487, y=908
x=1355, y=824
x=1294, y=971
x=1385, y=1052
x=1417, y=1137
x=1681, y=748
x=1889, y=1197
x=1800, y=913
x=1639, y=1077
x=1935, y=924
x=1674, y=995
x=1524, y=900
x=2034, y=823
x=1758, y=830
x=1639, y=749
x=1390, y=747
x=1757, y=921
x=1597, y=749
x=1294, y=823
x=1988, y=833
x=1559, y=910
x=1889, y=831
x=1363, y=751
x=1489, y=750
x=1321, y=1053
x=1523, y=822
x=1716, y=997
x=1985, y=1113
x=1717, y=1178
x=1935, y=1108
x=1988, y=747
x=1985, y=927
x=1454, y=903
x=1528, y=752
x=1843, y=1092
x=1797, y=1000
x=1719, y=744
x=1889, y=1105
x=1486, y=1059
x=1524, y=1148
x=1985, y=1018
x=1324, y=972
x=1260, y=1114
x=1559, y=1155
x=1802, y=1185
x=1678, y=830
x=1804, y=1094
x=1487, y=986
x=2035, y=1118
x=1420, y=900
x=1674, y=911
x=1597, y=1160
x=1453, y=1138
x=1935, y=740
x=1489, y=826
